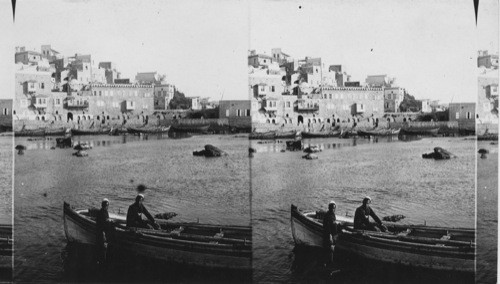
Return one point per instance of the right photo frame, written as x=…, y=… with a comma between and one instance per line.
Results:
x=374, y=141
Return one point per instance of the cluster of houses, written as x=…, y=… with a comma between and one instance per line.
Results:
x=53, y=87
x=282, y=91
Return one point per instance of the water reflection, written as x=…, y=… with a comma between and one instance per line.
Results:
x=79, y=265
x=48, y=143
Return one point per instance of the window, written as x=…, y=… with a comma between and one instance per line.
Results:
x=272, y=88
x=95, y=93
x=238, y=112
x=5, y=111
x=247, y=112
x=287, y=104
x=58, y=101
x=227, y=112
x=457, y=115
x=330, y=96
x=100, y=94
x=469, y=115
x=42, y=86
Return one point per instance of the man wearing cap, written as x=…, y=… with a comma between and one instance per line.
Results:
x=102, y=225
x=329, y=231
x=362, y=215
x=134, y=215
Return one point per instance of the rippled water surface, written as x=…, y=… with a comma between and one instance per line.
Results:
x=211, y=190
x=390, y=171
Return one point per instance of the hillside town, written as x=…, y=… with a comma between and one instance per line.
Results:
x=75, y=92
x=306, y=91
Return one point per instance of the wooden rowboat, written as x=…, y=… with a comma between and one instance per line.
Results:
x=30, y=133
x=436, y=248
x=420, y=131
x=271, y=135
x=190, y=128
x=380, y=132
x=322, y=134
x=56, y=132
x=307, y=227
x=142, y=130
x=213, y=246
x=96, y=131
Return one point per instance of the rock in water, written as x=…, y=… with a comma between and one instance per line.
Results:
x=310, y=156
x=483, y=151
x=81, y=153
x=439, y=154
x=212, y=151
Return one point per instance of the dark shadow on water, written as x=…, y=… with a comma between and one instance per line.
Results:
x=308, y=266
x=79, y=265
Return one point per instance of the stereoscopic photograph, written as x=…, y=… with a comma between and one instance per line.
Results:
x=249, y=141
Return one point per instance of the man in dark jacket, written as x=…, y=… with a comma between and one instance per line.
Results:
x=362, y=215
x=329, y=232
x=102, y=230
x=134, y=215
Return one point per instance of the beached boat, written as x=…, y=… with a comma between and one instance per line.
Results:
x=143, y=130
x=379, y=132
x=190, y=128
x=437, y=248
x=286, y=134
x=420, y=131
x=94, y=131
x=213, y=246
x=321, y=134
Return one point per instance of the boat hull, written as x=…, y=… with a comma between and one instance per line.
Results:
x=421, y=250
x=388, y=132
x=422, y=132
x=90, y=132
x=82, y=230
x=320, y=134
x=393, y=252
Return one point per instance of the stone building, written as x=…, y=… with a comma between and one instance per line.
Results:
x=486, y=60
x=27, y=57
x=163, y=94
x=464, y=113
x=487, y=101
x=393, y=97
x=5, y=115
x=238, y=112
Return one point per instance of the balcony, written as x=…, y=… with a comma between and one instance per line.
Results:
x=492, y=91
x=129, y=105
x=306, y=105
x=39, y=102
x=270, y=105
x=76, y=104
x=30, y=87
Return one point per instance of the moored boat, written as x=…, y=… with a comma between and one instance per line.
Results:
x=213, y=246
x=56, y=132
x=143, y=130
x=190, y=128
x=379, y=132
x=262, y=135
x=436, y=248
x=94, y=131
x=321, y=134
x=27, y=132
x=420, y=131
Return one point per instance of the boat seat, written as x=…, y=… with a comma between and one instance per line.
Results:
x=405, y=233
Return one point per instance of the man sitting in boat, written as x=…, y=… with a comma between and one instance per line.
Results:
x=134, y=215
x=329, y=231
x=362, y=215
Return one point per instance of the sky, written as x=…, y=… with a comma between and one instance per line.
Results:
x=200, y=46
x=429, y=46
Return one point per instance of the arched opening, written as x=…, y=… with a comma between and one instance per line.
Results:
x=327, y=120
x=273, y=121
x=409, y=118
x=404, y=119
x=98, y=118
x=84, y=117
x=14, y=112
x=268, y=121
x=43, y=118
x=388, y=119
x=286, y=115
x=338, y=120
x=70, y=116
x=314, y=120
x=107, y=117
x=300, y=119
x=57, y=112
